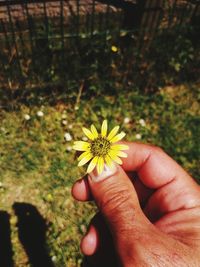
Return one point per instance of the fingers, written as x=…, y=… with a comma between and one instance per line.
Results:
x=117, y=200
x=98, y=245
x=174, y=188
x=89, y=243
x=143, y=192
x=154, y=167
x=96, y=237
x=174, y=196
x=81, y=190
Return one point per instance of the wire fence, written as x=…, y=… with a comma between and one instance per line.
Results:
x=49, y=43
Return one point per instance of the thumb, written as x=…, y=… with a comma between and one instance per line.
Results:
x=117, y=200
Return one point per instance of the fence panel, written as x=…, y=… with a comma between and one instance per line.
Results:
x=46, y=43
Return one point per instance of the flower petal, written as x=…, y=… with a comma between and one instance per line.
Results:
x=94, y=131
x=85, y=159
x=100, y=165
x=114, y=157
x=113, y=133
x=92, y=164
x=117, y=137
x=109, y=161
x=119, y=147
x=81, y=146
x=83, y=155
x=88, y=133
x=118, y=160
x=104, y=128
x=122, y=154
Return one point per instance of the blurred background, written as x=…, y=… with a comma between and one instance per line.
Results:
x=68, y=64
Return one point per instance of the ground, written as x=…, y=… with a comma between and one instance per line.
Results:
x=38, y=166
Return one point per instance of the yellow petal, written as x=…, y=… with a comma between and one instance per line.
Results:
x=120, y=147
x=122, y=154
x=83, y=155
x=100, y=165
x=88, y=133
x=113, y=133
x=104, y=128
x=114, y=157
x=94, y=131
x=85, y=159
x=81, y=146
x=118, y=160
x=92, y=164
x=117, y=137
x=109, y=162
x=112, y=153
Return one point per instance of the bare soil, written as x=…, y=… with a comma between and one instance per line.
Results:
x=51, y=9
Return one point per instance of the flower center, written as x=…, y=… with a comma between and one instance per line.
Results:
x=100, y=147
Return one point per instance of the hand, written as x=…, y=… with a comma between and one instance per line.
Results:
x=149, y=212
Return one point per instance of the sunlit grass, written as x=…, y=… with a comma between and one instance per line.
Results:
x=37, y=164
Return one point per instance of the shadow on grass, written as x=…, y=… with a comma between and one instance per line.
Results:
x=6, y=253
x=32, y=231
x=106, y=254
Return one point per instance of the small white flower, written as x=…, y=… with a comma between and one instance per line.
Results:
x=142, y=122
x=83, y=228
x=27, y=117
x=64, y=116
x=40, y=113
x=127, y=120
x=84, y=138
x=3, y=129
x=138, y=136
x=64, y=122
x=70, y=126
x=76, y=107
x=54, y=258
x=69, y=148
x=67, y=137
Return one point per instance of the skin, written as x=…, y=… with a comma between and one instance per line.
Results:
x=149, y=213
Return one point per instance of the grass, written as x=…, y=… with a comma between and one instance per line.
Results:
x=37, y=165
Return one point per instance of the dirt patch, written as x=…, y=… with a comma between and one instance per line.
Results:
x=52, y=9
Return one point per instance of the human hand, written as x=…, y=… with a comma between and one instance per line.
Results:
x=149, y=212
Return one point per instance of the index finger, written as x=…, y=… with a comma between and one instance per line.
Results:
x=154, y=167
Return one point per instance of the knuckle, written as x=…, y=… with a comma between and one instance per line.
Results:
x=157, y=149
x=113, y=197
x=115, y=200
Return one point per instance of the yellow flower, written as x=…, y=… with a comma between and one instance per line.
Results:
x=49, y=197
x=101, y=147
x=114, y=48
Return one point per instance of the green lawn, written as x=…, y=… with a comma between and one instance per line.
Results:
x=37, y=165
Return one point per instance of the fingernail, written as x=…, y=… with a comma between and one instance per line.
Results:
x=106, y=173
